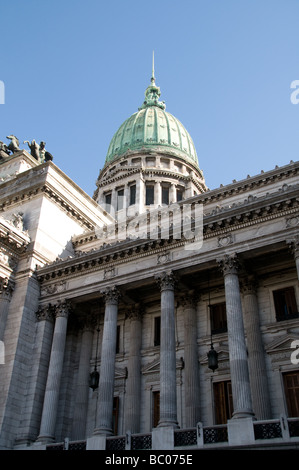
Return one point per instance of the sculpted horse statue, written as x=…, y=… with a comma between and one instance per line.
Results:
x=34, y=149
x=14, y=144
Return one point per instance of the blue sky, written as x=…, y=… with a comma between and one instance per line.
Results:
x=75, y=70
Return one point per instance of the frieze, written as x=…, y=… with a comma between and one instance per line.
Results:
x=292, y=221
x=164, y=257
x=225, y=240
x=109, y=273
x=54, y=288
x=120, y=251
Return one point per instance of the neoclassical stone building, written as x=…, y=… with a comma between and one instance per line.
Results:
x=111, y=303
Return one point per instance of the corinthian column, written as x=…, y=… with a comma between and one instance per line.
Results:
x=236, y=339
x=50, y=407
x=256, y=353
x=106, y=384
x=133, y=391
x=168, y=397
x=192, y=395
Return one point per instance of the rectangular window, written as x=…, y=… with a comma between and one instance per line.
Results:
x=165, y=195
x=149, y=195
x=132, y=194
x=179, y=195
x=285, y=304
x=156, y=409
x=223, y=401
x=157, y=334
x=218, y=318
x=120, y=199
x=108, y=202
x=291, y=386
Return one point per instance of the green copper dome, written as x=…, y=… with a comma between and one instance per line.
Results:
x=152, y=128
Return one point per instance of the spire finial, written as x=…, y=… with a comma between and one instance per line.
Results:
x=152, y=93
x=153, y=80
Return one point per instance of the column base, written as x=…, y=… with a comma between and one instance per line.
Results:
x=243, y=414
x=45, y=439
x=103, y=432
x=168, y=424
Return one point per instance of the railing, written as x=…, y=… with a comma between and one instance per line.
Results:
x=293, y=424
x=267, y=430
x=284, y=430
x=185, y=438
x=215, y=434
x=141, y=441
x=116, y=443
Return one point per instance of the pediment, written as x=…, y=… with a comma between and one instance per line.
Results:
x=120, y=372
x=154, y=366
x=282, y=344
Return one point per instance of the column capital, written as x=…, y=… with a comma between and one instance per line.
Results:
x=229, y=264
x=88, y=322
x=189, y=299
x=111, y=295
x=63, y=308
x=293, y=244
x=248, y=285
x=6, y=288
x=135, y=312
x=45, y=312
x=166, y=280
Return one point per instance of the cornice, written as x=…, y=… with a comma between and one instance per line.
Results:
x=256, y=212
x=250, y=183
x=46, y=189
x=10, y=236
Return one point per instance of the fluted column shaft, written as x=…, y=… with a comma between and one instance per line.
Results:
x=133, y=391
x=50, y=407
x=168, y=395
x=256, y=353
x=82, y=390
x=236, y=339
x=192, y=394
x=104, y=421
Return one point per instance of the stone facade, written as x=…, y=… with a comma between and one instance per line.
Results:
x=142, y=312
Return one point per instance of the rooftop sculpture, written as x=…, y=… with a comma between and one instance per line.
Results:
x=38, y=151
